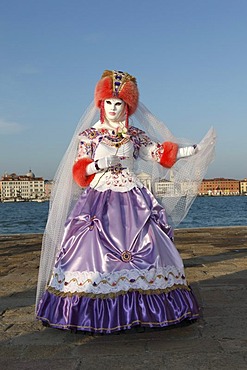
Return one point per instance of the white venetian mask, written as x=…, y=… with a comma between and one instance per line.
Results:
x=114, y=109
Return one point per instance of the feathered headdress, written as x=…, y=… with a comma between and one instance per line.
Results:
x=117, y=84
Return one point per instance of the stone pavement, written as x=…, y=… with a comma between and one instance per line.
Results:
x=216, y=264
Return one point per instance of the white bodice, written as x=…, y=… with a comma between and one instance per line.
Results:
x=120, y=178
x=100, y=141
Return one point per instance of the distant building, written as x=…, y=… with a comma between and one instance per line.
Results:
x=216, y=186
x=160, y=187
x=243, y=186
x=164, y=187
x=48, y=186
x=145, y=179
x=168, y=187
x=22, y=187
x=28, y=187
x=219, y=186
x=189, y=188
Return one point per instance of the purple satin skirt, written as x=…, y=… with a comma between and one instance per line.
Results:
x=117, y=267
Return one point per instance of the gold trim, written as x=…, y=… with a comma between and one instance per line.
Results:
x=118, y=143
x=125, y=78
x=126, y=256
x=126, y=326
x=114, y=295
x=104, y=281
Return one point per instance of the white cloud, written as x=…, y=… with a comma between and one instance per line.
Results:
x=10, y=128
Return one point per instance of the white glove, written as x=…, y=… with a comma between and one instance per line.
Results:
x=187, y=151
x=102, y=163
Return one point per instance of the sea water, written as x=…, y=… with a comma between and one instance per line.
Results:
x=31, y=217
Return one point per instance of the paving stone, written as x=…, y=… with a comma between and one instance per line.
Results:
x=216, y=267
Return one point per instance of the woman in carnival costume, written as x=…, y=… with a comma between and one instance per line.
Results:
x=108, y=261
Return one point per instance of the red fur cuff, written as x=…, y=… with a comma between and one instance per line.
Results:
x=79, y=172
x=169, y=156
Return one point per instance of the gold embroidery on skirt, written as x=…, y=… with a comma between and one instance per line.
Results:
x=114, y=295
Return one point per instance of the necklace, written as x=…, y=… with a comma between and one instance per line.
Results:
x=115, y=141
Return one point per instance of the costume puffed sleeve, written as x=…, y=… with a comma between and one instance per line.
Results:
x=83, y=159
x=165, y=153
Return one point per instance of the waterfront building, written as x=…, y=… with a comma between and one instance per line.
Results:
x=28, y=187
x=145, y=179
x=165, y=187
x=48, y=186
x=168, y=187
x=188, y=187
x=243, y=186
x=22, y=187
x=219, y=186
x=161, y=187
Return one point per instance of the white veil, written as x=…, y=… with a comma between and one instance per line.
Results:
x=186, y=175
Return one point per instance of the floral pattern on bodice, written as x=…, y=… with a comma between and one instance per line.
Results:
x=97, y=143
x=90, y=138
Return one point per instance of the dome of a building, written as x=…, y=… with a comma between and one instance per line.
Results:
x=30, y=174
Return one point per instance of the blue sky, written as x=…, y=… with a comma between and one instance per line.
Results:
x=189, y=58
